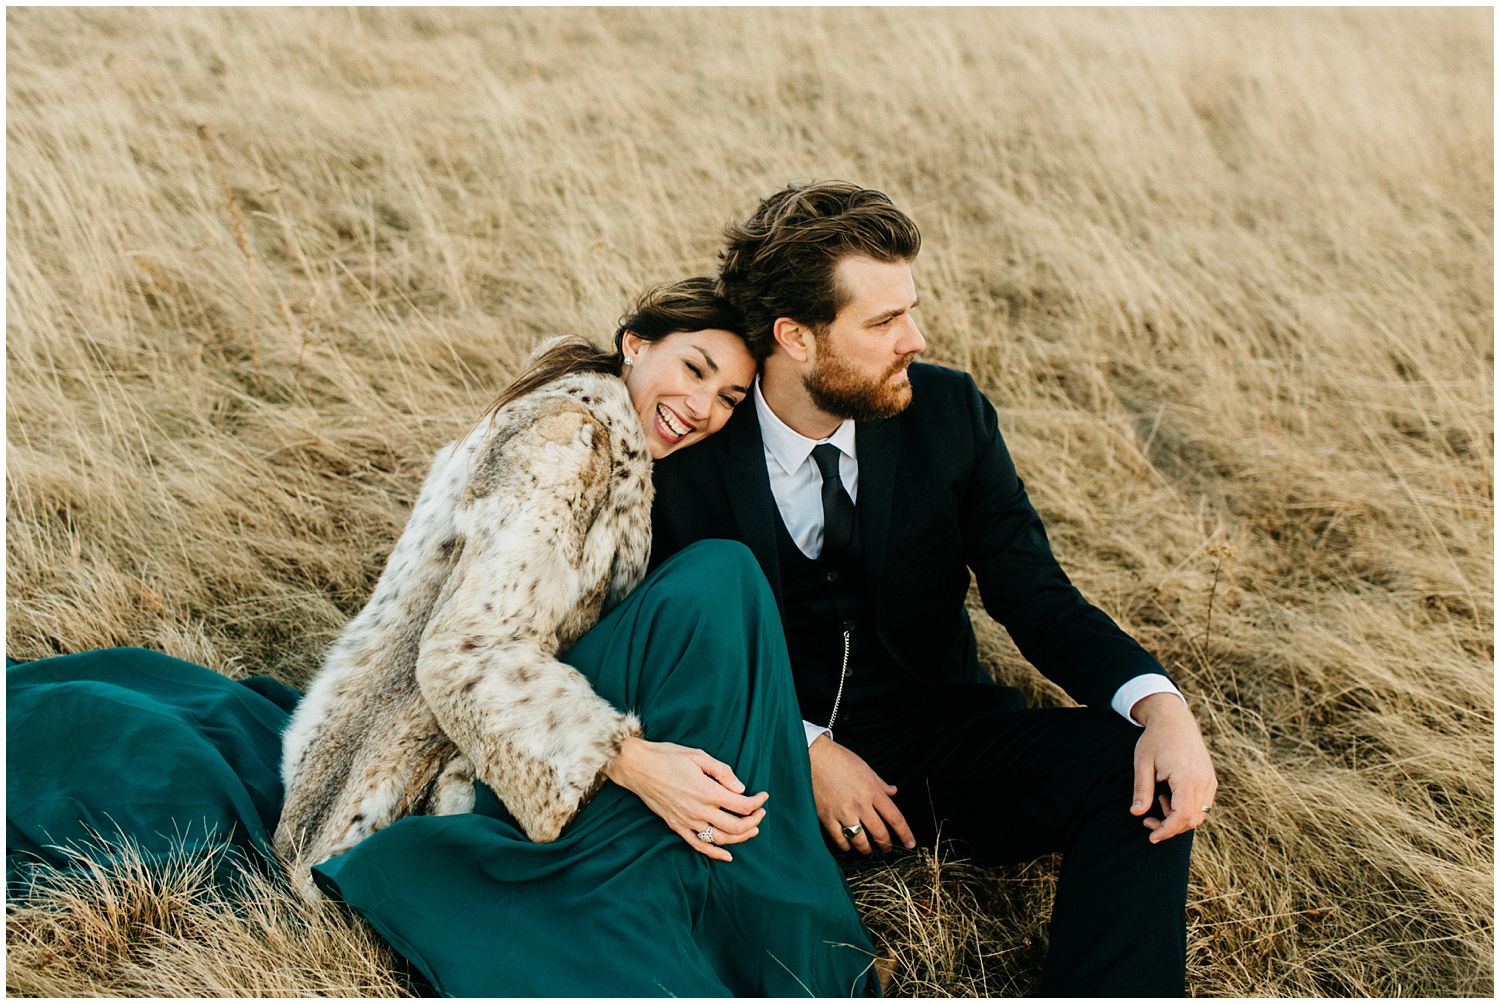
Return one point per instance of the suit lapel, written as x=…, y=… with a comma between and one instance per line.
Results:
x=743, y=466
x=878, y=445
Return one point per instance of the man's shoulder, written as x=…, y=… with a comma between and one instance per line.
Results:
x=939, y=390
x=938, y=375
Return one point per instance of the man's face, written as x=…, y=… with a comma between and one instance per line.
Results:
x=859, y=363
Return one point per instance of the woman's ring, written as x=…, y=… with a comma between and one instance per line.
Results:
x=707, y=836
x=853, y=831
x=1207, y=807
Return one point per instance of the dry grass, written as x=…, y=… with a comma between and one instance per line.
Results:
x=1226, y=274
x=133, y=928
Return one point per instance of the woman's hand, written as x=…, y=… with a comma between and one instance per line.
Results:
x=691, y=791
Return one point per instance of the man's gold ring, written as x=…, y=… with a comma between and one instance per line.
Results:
x=853, y=831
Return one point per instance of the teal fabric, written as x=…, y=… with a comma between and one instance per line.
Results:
x=133, y=742
x=617, y=906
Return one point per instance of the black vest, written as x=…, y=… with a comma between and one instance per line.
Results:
x=820, y=600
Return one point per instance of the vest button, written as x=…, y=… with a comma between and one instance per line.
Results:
x=832, y=576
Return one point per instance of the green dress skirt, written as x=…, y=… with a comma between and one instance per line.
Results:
x=171, y=753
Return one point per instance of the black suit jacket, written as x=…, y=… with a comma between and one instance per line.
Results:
x=938, y=498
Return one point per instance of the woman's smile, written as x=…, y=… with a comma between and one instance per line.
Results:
x=671, y=425
x=685, y=385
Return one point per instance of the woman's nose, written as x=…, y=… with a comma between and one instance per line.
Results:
x=697, y=405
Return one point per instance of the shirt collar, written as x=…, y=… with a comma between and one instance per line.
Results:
x=790, y=448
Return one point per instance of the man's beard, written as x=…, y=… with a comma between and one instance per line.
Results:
x=837, y=389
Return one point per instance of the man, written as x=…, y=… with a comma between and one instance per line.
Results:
x=870, y=487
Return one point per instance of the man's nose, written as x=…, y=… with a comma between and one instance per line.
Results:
x=911, y=339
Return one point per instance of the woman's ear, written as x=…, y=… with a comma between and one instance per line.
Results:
x=792, y=337
x=631, y=344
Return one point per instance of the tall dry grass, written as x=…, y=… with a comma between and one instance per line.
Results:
x=116, y=926
x=1226, y=274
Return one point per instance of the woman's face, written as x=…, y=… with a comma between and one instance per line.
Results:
x=685, y=385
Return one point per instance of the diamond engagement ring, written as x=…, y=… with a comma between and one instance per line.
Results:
x=707, y=836
x=853, y=831
x=1207, y=807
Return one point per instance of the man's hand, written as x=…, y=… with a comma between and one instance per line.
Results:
x=1171, y=749
x=847, y=792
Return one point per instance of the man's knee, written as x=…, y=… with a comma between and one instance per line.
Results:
x=1113, y=755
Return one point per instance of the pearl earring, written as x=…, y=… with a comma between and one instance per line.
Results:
x=630, y=360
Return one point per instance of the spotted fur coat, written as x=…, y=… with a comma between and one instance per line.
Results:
x=524, y=533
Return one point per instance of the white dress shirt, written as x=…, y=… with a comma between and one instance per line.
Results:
x=797, y=487
x=795, y=480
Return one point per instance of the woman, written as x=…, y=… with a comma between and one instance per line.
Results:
x=526, y=531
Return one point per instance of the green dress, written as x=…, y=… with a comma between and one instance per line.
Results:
x=618, y=906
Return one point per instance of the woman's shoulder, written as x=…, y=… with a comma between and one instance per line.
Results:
x=558, y=412
x=575, y=437
x=580, y=397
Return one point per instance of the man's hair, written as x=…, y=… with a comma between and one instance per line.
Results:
x=781, y=261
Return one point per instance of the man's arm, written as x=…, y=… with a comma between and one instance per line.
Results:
x=1069, y=640
x=1072, y=642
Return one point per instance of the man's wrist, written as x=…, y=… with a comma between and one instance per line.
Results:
x=814, y=731
x=1134, y=690
x=1164, y=702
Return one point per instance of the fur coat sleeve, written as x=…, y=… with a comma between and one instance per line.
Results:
x=528, y=579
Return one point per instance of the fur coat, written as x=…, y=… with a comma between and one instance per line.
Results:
x=524, y=533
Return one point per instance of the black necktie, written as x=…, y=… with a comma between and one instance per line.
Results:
x=838, y=509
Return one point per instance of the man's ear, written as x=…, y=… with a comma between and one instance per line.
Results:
x=793, y=337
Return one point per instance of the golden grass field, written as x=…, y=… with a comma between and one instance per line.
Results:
x=1226, y=274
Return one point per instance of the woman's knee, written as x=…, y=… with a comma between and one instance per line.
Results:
x=713, y=598
x=720, y=578
x=727, y=560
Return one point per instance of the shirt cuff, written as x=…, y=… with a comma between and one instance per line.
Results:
x=1134, y=689
x=813, y=731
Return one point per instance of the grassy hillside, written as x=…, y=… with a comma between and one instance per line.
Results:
x=1226, y=274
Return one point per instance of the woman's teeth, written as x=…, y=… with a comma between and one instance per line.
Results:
x=669, y=422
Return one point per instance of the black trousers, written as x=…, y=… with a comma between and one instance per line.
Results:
x=1007, y=784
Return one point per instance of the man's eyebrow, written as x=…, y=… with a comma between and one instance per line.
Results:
x=715, y=367
x=894, y=312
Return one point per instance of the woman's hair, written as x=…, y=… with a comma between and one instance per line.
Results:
x=781, y=261
x=686, y=305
